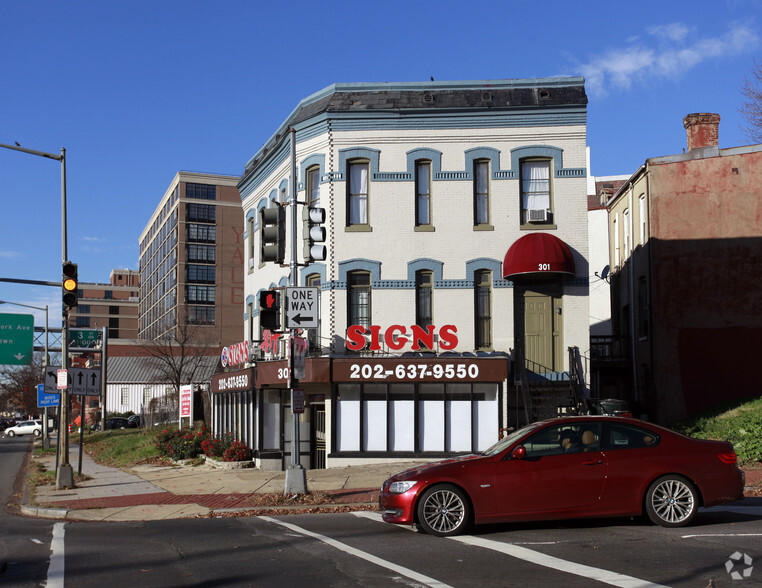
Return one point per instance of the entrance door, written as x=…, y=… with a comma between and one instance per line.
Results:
x=318, y=434
x=543, y=349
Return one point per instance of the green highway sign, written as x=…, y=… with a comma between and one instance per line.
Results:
x=84, y=338
x=16, y=339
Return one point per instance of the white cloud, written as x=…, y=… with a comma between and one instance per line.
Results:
x=676, y=50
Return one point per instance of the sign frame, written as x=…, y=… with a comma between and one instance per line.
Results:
x=296, y=299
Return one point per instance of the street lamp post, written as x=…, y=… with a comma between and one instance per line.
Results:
x=45, y=364
x=64, y=471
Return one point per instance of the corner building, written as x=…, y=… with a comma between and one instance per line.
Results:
x=457, y=212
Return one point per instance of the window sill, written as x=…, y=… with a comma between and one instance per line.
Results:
x=424, y=228
x=484, y=228
x=358, y=229
x=537, y=227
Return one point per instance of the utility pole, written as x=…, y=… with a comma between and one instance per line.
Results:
x=296, y=476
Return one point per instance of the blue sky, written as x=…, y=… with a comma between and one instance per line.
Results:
x=135, y=91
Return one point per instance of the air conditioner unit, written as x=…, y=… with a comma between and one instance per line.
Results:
x=537, y=215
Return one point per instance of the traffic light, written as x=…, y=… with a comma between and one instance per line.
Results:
x=273, y=234
x=313, y=234
x=269, y=309
x=69, y=284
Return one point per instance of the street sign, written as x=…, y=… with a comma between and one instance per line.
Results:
x=62, y=379
x=51, y=379
x=298, y=397
x=84, y=339
x=301, y=308
x=45, y=400
x=85, y=382
x=16, y=339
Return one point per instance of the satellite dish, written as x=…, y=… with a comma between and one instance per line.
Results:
x=605, y=272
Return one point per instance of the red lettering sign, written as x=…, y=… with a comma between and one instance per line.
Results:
x=396, y=337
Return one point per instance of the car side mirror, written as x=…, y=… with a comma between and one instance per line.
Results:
x=519, y=453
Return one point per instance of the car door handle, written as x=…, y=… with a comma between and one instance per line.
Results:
x=593, y=462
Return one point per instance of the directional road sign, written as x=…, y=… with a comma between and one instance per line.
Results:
x=51, y=379
x=86, y=382
x=301, y=308
x=84, y=339
x=16, y=339
x=44, y=400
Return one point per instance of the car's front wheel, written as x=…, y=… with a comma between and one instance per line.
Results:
x=11, y=433
x=37, y=432
x=672, y=501
x=443, y=510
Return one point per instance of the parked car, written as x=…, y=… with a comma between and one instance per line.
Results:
x=5, y=423
x=25, y=428
x=134, y=421
x=117, y=423
x=594, y=466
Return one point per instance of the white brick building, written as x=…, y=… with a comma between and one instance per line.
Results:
x=455, y=209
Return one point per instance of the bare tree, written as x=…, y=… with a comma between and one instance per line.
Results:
x=18, y=386
x=181, y=357
x=752, y=108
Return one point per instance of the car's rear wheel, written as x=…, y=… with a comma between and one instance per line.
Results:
x=11, y=433
x=443, y=510
x=37, y=432
x=672, y=501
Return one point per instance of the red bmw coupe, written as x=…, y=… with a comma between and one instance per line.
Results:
x=568, y=468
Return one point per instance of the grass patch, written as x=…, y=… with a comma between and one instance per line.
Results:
x=738, y=422
x=123, y=447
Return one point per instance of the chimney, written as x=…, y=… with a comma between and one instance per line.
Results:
x=702, y=130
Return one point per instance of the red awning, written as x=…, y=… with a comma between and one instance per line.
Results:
x=538, y=253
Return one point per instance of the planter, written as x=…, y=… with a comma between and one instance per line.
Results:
x=228, y=465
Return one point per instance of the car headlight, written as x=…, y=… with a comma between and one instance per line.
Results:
x=401, y=487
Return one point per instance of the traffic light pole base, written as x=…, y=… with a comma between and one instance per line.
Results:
x=64, y=477
x=296, y=480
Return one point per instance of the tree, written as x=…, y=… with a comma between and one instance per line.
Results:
x=18, y=386
x=182, y=356
x=752, y=108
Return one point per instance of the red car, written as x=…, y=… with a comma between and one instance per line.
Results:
x=568, y=468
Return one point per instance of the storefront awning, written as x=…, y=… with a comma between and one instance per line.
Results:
x=538, y=253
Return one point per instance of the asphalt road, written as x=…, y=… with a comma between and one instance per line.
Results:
x=357, y=549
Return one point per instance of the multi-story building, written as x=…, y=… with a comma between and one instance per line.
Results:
x=456, y=233
x=685, y=251
x=113, y=306
x=192, y=260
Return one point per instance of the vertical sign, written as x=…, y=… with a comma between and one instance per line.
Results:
x=186, y=402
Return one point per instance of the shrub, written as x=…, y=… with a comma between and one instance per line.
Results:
x=185, y=443
x=216, y=447
x=237, y=451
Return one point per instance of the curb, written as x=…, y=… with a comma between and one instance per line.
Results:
x=47, y=513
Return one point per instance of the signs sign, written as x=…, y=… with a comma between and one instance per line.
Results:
x=301, y=308
x=84, y=339
x=16, y=339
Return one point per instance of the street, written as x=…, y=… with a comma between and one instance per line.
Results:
x=358, y=549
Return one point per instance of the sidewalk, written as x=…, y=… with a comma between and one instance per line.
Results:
x=151, y=492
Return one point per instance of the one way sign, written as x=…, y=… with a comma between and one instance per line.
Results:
x=301, y=308
x=86, y=382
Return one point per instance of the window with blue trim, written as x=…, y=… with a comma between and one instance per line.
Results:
x=536, y=192
x=481, y=192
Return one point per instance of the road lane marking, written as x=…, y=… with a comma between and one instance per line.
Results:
x=56, y=567
x=556, y=563
x=413, y=575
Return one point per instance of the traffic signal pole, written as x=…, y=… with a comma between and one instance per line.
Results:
x=296, y=476
x=64, y=473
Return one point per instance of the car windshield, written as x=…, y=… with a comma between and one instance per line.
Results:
x=510, y=439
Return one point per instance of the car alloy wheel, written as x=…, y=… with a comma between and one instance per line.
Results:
x=11, y=433
x=671, y=501
x=443, y=510
x=37, y=432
